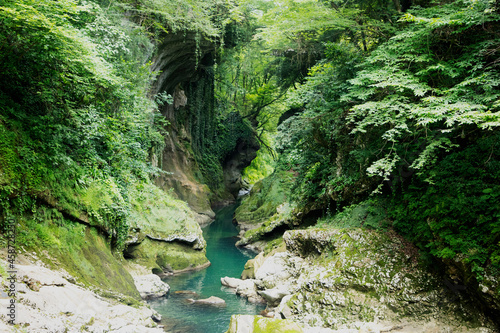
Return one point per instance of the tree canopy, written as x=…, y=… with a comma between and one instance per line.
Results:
x=392, y=103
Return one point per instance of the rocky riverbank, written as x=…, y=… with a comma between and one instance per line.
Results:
x=352, y=280
x=51, y=301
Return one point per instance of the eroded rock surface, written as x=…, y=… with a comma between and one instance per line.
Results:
x=355, y=280
x=48, y=302
x=244, y=288
x=151, y=286
x=167, y=240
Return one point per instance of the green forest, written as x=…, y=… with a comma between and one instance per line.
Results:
x=382, y=115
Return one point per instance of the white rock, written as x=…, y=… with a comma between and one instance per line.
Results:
x=212, y=300
x=273, y=296
x=283, y=311
x=42, y=275
x=244, y=288
x=241, y=324
x=275, y=265
x=231, y=282
x=151, y=286
x=59, y=306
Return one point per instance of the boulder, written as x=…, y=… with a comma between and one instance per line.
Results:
x=151, y=286
x=275, y=266
x=273, y=296
x=278, y=270
x=244, y=288
x=283, y=311
x=252, y=265
x=231, y=282
x=156, y=317
x=212, y=300
x=57, y=305
x=162, y=257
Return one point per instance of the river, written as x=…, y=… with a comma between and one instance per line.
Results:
x=181, y=317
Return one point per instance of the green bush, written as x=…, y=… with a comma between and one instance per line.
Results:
x=76, y=125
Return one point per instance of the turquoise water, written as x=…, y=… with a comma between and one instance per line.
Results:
x=181, y=317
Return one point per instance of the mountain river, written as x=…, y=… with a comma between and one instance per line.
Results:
x=181, y=317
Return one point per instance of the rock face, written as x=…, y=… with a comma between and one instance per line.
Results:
x=252, y=265
x=245, y=152
x=185, y=62
x=182, y=60
x=47, y=302
x=179, y=161
x=179, y=58
x=151, y=286
x=167, y=240
x=347, y=279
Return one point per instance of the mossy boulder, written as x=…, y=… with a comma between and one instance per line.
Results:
x=269, y=231
x=263, y=231
x=266, y=212
x=347, y=278
x=164, y=235
x=164, y=218
x=166, y=257
x=362, y=275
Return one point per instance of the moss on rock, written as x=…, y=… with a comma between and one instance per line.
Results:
x=346, y=278
x=164, y=235
x=160, y=216
x=268, y=325
x=86, y=255
x=168, y=257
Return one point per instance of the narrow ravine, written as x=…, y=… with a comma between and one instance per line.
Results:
x=227, y=260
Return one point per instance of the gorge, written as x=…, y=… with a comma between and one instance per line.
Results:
x=363, y=134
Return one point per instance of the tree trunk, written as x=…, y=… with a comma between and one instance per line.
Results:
x=397, y=5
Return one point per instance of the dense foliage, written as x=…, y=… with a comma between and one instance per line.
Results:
x=77, y=127
x=399, y=113
x=386, y=107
